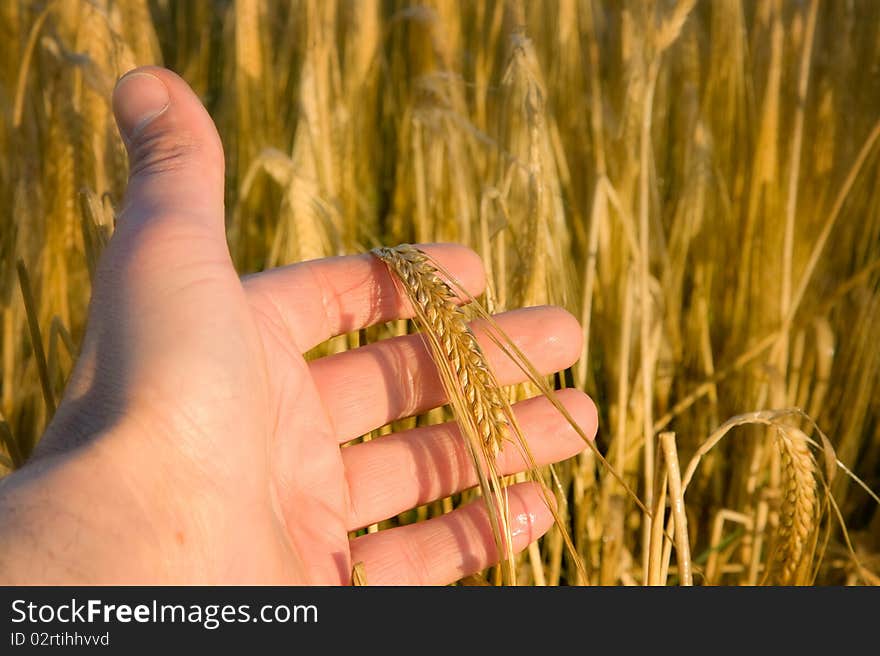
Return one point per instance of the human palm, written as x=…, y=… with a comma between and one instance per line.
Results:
x=193, y=394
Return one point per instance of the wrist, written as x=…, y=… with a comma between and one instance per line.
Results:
x=76, y=517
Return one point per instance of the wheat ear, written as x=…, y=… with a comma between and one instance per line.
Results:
x=473, y=391
x=435, y=305
x=797, y=515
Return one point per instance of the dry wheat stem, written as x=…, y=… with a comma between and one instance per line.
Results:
x=830, y=222
x=676, y=498
x=656, y=546
x=36, y=338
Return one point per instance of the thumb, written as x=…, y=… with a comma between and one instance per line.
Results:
x=162, y=287
x=175, y=154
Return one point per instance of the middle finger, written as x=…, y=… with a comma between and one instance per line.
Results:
x=368, y=387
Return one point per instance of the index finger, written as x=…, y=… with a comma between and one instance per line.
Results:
x=319, y=299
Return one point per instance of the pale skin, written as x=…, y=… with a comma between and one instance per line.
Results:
x=195, y=444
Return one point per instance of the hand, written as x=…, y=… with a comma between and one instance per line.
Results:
x=195, y=444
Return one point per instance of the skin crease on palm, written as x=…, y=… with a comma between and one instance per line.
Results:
x=195, y=444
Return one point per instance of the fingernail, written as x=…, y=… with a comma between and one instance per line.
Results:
x=137, y=100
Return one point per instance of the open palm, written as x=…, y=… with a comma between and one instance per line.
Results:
x=193, y=380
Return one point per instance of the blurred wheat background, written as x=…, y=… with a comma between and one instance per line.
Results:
x=697, y=181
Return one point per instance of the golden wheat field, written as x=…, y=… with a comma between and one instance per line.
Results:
x=698, y=182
